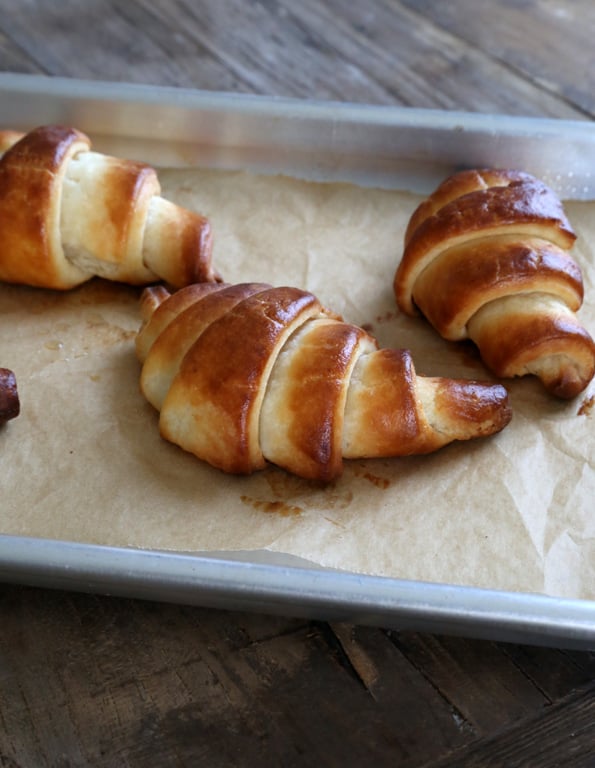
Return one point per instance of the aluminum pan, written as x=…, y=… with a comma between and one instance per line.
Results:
x=382, y=145
x=299, y=590
x=387, y=146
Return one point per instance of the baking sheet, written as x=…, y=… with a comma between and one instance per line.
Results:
x=87, y=335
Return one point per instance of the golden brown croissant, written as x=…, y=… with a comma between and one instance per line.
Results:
x=245, y=374
x=68, y=213
x=9, y=397
x=486, y=257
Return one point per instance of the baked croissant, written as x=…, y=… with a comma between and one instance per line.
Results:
x=68, y=213
x=245, y=374
x=9, y=397
x=486, y=257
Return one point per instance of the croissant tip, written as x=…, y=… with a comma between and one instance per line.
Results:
x=567, y=387
x=502, y=407
x=151, y=297
x=475, y=408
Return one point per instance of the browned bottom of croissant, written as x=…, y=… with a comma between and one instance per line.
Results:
x=245, y=374
x=9, y=398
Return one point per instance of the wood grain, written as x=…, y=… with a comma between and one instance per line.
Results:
x=131, y=683
x=89, y=680
x=554, y=51
x=513, y=58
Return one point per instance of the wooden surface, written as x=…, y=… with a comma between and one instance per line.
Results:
x=98, y=681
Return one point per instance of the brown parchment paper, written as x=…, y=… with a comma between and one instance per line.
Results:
x=84, y=461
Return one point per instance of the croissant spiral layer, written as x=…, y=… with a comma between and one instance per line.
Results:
x=486, y=257
x=248, y=374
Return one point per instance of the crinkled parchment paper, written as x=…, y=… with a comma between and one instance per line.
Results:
x=84, y=461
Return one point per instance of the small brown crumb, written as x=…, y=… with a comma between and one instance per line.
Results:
x=379, y=482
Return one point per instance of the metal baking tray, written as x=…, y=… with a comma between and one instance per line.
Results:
x=369, y=145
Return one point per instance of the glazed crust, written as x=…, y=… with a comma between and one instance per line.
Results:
x=521, y=208
x=481, y=238
x=68, y=214
x=248, y=374
x=459, y=184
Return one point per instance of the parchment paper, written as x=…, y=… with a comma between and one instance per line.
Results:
x=84, y=461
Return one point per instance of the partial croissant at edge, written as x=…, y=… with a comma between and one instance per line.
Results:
x=487, y=257
x=68, y=214
x=9, y=397
x=248, y=374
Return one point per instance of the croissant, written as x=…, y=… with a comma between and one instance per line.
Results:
x=248, y=374
x=9, y=397
x=486, y=257
x=68, y=213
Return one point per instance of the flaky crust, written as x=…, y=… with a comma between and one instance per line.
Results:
x=481, y=239
x=68, y=214
x=248, y=374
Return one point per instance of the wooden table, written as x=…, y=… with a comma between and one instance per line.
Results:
x=98, y=681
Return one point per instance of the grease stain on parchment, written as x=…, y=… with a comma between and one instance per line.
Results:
x=586, y=407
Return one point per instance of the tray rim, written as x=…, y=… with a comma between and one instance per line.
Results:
x=306, y=591
x=309, y=591
x=72, y=88
x=335, y=141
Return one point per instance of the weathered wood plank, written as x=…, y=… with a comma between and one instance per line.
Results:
x=107, y=41
x=420, y=64
x=13, y=59
x=549, y=43
x=126, y=680
x=384, y=53
x=158, y=680
x=464, y=671
x=111, y=682
x=404, y=693
x=275, y=50
x=563, y=735
x=554, y=672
